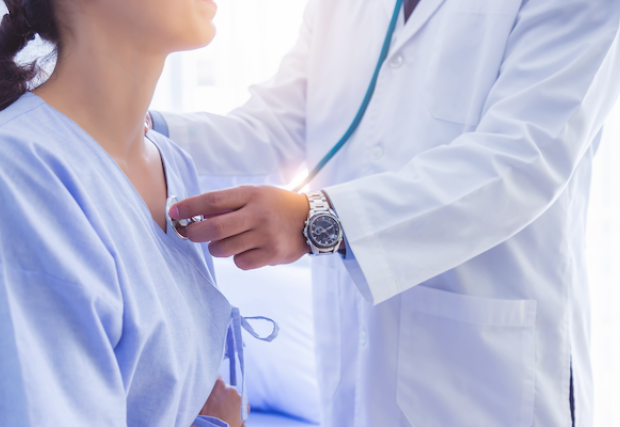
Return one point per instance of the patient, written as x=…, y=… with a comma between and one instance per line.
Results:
x=106, y=317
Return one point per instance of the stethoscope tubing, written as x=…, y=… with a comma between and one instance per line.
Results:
x=177, y=224
x=363, y=107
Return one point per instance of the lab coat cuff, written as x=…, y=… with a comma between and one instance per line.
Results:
x=351, y=263
x=204, y=421
x=159, y=123
x=356, y=273
x=348, y=254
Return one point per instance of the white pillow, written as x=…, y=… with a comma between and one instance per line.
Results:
x=281, y=375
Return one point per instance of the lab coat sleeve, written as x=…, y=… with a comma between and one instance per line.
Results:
x=60, y=311
x=350, y=262
x=266, y=136
x=355, y=271
x=558, y=82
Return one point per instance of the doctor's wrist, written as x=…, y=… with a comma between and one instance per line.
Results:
x=322, y=230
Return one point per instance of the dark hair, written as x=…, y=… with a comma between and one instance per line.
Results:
x=25, y=19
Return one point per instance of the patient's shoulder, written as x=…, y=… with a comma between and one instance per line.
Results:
x=37, y=156
x=26, y=125
x=26, y=103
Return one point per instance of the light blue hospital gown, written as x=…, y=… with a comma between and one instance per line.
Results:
x=105, y=320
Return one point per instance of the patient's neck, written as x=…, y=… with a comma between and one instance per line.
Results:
x=105, y=84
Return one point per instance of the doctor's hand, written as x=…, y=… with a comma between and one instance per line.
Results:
x=258, y=225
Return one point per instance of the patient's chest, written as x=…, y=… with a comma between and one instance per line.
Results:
x=174, y=319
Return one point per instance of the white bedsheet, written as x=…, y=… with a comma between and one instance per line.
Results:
x=258, y=419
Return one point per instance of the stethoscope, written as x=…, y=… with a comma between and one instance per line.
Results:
x=180, y=224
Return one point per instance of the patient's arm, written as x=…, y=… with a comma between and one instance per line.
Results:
x=224, y=403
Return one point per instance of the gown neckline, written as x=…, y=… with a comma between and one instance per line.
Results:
x=105, y=156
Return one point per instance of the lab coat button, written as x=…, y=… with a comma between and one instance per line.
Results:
x=377, y=153
x=397, y=61
x=363, y=337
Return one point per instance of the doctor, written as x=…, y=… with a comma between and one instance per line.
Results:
x=460, y=297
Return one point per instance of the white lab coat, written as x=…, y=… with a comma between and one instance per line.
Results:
x=463, y=195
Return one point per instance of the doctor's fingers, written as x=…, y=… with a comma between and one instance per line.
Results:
x=266, y=249
x=234, y=245
x=261, y=247
x=221, y=227
x=253, y=259
x=212, y=203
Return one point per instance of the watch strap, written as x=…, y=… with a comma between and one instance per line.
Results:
x=318, y=202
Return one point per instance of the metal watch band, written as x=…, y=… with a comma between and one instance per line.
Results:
x=319, y=204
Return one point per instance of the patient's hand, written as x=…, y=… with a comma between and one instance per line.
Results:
x=224, y=403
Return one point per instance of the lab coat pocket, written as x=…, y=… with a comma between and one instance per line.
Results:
x=327, y=325
x=465, y=61
x=466, y=361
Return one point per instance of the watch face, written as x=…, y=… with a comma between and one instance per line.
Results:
x=324, y=231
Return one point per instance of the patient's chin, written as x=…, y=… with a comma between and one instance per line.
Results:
x=197, y=39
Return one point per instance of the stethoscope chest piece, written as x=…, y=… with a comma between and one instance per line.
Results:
x=179, y=224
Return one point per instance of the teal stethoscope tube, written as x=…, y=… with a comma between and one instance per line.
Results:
x=362, y=110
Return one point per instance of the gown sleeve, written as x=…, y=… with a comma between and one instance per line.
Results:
x=60, y=304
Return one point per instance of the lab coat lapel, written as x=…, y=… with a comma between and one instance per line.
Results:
x=423, y=12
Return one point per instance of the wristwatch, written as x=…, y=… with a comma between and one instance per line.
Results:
x=323, y=231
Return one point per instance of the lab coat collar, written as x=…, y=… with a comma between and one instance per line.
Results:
x=424, y=11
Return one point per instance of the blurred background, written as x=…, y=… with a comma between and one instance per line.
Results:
x=253, y=35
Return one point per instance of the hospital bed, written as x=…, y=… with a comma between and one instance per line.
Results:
x=261, y=419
